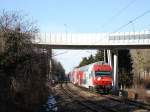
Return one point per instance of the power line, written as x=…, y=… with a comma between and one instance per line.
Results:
x=59, y=53
x=131, y=21
x=118, y=13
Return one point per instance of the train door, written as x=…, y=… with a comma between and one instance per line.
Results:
x=86, y=79
x=91, y=74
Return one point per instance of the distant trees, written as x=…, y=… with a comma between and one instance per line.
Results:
x=91, y=59
x=23, y=67
x=58, y=72
x=125, y=74
x=141, y=66
x=99, y=55
x=84, y=62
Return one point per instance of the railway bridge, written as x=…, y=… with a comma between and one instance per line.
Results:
x=112, y=42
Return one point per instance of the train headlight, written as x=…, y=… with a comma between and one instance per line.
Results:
x=99, y=78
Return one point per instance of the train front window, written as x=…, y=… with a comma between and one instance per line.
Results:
x=98, y=73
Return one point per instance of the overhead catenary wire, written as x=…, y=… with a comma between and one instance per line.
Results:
x=60, y=53
x=131, y=21
x=118, y=13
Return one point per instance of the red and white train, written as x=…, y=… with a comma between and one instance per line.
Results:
x=96, y=76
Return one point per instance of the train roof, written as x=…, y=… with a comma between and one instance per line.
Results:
x=83, y=68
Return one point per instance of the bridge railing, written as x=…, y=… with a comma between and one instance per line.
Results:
x=130, y=38
x=94, y=38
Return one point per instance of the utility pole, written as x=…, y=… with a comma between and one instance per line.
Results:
x=50, y=64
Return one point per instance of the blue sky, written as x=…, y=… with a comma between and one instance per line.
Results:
x=82, y=16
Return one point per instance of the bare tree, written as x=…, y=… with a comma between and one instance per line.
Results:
x=23, y=67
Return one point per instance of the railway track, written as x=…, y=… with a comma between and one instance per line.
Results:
x=129, y=102
x=118, y=99
x=71, y=103
x=128, y=105
x=93, y=106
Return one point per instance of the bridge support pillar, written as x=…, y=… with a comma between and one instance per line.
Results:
x=112, y=57
x=115, y=71
x=105, y=56
x=109, y=57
